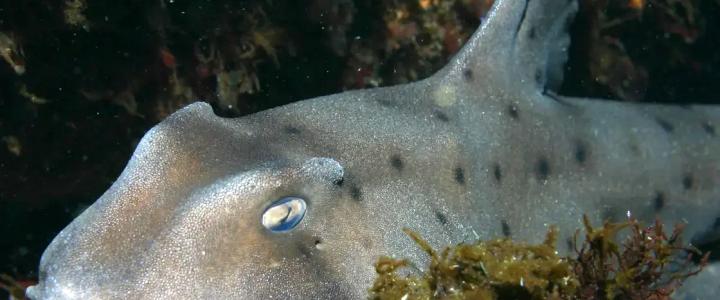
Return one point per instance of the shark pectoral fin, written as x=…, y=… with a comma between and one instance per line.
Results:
x=521, y=44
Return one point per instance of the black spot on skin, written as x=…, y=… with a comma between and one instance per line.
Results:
x=355, y=193
x=709, y=128
x=468, y=74
x=317, y=241
x=687, y=181
x=538, y=76
x=396, y=162
x=580, y=152
x=513, y=111
x=497, y=172
x=441, y=115
x=292, y=130
x=366, y=243
x=339, y=182
x=570, y=243
x=440, y=217
x=531, y=33
x=505, y=228
x=459, y=175
x=659, y=201
x=542, y=168
x=665, y=125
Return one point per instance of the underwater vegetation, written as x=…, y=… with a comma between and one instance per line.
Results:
x=82, y=80
x=647, y=264
x=625, y=40
x=14, y=289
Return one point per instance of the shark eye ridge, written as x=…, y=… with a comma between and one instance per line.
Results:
x=284, y=214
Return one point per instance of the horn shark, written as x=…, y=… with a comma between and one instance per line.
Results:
x=299, y=201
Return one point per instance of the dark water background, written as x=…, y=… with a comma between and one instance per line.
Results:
x=95, y=75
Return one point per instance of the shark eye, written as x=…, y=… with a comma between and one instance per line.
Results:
x=284, y=214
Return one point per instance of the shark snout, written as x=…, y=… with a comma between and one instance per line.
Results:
x=224, y=231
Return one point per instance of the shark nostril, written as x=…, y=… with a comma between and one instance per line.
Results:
x=319, y=244
x=284, y=214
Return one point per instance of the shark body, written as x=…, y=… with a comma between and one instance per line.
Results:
x=482, y=149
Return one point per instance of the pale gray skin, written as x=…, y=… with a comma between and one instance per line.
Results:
x=478, y=150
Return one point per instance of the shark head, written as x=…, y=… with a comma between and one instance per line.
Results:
x=299, y=201
x=263, y=211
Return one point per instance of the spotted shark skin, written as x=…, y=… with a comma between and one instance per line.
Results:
x=482, y=149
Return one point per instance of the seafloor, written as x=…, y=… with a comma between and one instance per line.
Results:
x=82, y=80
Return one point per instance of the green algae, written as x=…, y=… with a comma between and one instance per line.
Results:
x=497, y=269
x=648, y=264
x=602, y=268
x=14, y=289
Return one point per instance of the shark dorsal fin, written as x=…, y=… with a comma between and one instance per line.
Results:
x=522, y=43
